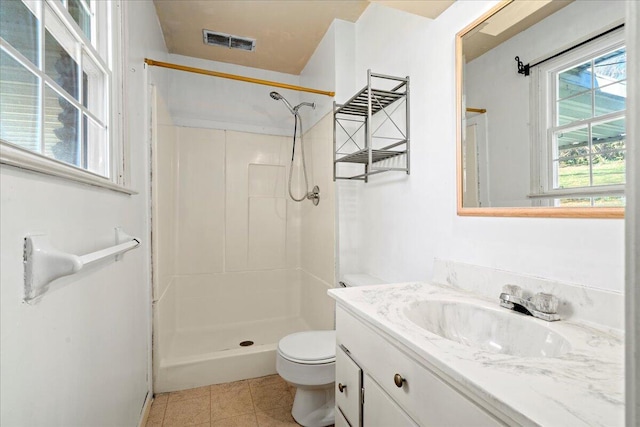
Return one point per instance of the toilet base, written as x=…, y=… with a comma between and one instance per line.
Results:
x=314, y=407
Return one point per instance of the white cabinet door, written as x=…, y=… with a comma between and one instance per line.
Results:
x=341, y=421
x=379, y=410
x=348, y=387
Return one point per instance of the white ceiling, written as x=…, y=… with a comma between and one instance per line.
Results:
x=286, y=31
x=509, y=21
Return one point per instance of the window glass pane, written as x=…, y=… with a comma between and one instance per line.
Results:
x=609, y=201
x=609, y=135
x=575, y=108
x=93, y=87
x=568, y=89
x=608, y=147
x=611, y=98
x=19, y=104
x=61, y=128
x=609, y=172
x=578, y=77
x=610, y=67
x=573, y=202
x=96, y=153
x=572, y=143
x=569, y=152
x=571, y=158
x=601, y=202
x=81, y=16
x=19, y=28
x=60, y=66
x=573, y=173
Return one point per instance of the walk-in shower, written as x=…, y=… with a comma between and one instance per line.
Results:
x=313, y=195
x=237, y=265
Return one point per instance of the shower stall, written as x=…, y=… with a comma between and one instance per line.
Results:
x=233, y=272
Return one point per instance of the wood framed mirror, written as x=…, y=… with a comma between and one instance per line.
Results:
x=541, y=104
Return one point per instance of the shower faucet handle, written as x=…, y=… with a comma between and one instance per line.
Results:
x=314, y=195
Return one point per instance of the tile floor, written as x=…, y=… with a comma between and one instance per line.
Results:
x=257, y=402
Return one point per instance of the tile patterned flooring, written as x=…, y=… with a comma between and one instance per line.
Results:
x=257, y=402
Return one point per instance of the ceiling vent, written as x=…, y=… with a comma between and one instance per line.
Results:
x=229, y=41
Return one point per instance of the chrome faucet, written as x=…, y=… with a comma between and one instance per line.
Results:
x=541, y=305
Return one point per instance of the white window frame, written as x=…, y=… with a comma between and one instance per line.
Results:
x=110, y=62
x=543, y=108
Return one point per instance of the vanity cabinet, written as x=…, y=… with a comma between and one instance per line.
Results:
x=351, y=408
x=379, y=410
x=396, y=388
x=348, y=387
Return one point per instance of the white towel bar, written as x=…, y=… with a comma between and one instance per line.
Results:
x=44, y=263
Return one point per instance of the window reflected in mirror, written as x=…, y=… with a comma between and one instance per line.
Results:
x=543, y=104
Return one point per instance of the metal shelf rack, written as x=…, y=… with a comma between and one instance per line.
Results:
x=356, y=141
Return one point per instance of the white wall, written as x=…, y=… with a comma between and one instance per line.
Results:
x=382, y=230
x=81, y=355
x=319, y=72
x=493, y=83
x=333, y=57
x=202, y=101
x=317, y=229
x=406, y=222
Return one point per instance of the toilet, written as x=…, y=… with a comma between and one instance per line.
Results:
x=307, y=360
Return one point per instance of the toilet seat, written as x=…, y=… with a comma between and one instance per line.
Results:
x=309, y=348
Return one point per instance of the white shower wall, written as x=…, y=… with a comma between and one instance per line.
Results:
x=317, y=225
x=228, y=250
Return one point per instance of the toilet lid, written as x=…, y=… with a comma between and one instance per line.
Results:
x=311, y=346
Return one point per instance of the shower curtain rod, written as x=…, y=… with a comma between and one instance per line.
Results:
x=236, y=77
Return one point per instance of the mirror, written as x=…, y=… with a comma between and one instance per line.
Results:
x=541, y=110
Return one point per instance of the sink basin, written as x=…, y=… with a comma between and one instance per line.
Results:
x=487, y=329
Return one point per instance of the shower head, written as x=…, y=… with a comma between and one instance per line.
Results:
x=278, y=97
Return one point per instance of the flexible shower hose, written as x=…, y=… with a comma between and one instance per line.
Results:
x=293, y=153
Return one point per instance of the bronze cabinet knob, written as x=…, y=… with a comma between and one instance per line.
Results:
x=341, y=387
x=397, y=378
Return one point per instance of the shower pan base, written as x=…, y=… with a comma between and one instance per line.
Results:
x=197, y=358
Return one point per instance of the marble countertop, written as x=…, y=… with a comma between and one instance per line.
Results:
x=585, y=386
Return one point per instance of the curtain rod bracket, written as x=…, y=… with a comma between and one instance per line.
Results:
x=522, y=68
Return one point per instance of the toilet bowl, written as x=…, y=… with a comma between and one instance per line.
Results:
x=307, y=360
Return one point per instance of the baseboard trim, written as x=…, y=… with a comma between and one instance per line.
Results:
x=146, y=409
